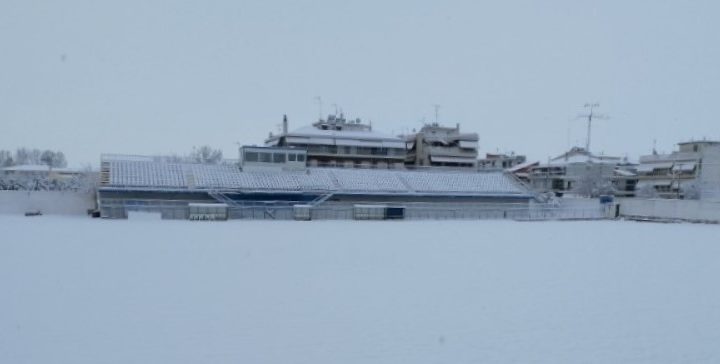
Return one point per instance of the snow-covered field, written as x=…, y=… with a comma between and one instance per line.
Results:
x=76, y=290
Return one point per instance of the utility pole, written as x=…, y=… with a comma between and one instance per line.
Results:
x=590, y=116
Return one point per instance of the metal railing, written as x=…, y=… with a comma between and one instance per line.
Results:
x=344, y=211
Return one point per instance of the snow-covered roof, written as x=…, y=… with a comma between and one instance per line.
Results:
x=521, y=166
x=624, y=173
x=451, y=159
x=38, y=168
x=311, y=131
x=349, y=137
x=580, y=155
x=649, y=167
x=133, y=174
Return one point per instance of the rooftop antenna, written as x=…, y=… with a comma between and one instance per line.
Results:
x=655, y=147
x=590, y=116
x=437, y=112
x=319, y=102
x=567, y=137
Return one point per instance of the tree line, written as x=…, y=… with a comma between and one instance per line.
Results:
x=23, y=156
x=204, y=154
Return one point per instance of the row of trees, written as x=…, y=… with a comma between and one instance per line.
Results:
x=56, y=159
x=204, y=154
x=52, y=159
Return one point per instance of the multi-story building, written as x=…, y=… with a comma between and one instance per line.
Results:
x=693, y=171
x=441, y=146
x=581, y=172
x=338, y=142
x=500, y=161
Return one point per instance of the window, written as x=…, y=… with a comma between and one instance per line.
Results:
x=292, y=157
x=278, y=157
x=364, y=150
x=265, y=157
x=301, y=157
x=251, y=156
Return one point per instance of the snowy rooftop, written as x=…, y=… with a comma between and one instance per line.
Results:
x=161, y=175
x=580, y=155
x=311, y=131
x=39, y=168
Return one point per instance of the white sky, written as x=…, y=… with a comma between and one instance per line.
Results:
x=89, y=77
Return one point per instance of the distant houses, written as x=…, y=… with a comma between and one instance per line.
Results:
x=341, y=143
x=691, y=172
x=441, y=146
x=500, y=161
x=583, y=173
x=33, y=177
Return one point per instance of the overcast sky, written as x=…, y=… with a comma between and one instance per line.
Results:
x=155, y=77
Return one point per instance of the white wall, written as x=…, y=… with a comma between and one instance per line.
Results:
x=694, y=210
x=710, y=174
x=48, y=202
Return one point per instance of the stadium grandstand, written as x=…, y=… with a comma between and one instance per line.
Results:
x=130, y=183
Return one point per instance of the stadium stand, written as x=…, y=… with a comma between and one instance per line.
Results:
x=135, y=173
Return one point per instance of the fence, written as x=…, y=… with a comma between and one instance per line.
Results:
x=427, y=211
x=564, y=210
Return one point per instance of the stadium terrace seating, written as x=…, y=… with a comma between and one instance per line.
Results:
x=462, y=182
x=146, y=174
x=157, y=174
x=369, y=180
x=216, y=176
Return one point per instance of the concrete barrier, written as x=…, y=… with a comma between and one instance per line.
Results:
x=47, y=202
x=663, y=209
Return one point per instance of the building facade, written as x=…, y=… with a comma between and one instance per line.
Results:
x=583, y=173
x=500, y=161
x=693, y=171
x=441, y=146
x=342, y=143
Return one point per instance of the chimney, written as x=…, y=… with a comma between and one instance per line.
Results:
x=285, y=124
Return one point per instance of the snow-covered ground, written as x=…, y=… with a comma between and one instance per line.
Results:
x=76, y=290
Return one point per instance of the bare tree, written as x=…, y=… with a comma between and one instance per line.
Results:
x=47, y=158
x=59, y=161
x=206, y=155
x=36, y=156
x=590, y=182
x=646, y=191
x=6, y=158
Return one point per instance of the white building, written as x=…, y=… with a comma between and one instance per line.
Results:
x=441, y=146
x=500, y=161
x=337, y=142
x=581, y=172
x=693, y=171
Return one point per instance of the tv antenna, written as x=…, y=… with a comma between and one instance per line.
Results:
x=590, y=116
x=437, y=112
x=319, y=102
